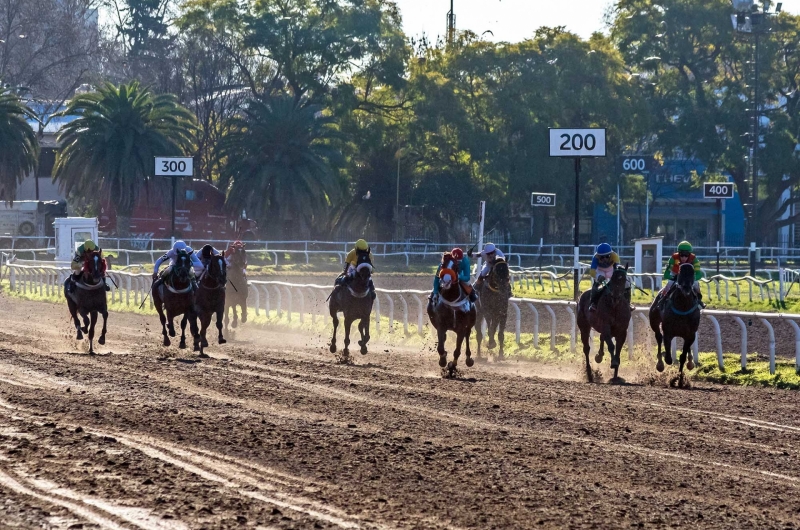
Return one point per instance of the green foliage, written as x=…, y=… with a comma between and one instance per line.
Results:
x=19, y=148
x=756, y=374
x=109, y=148
x=279, y=162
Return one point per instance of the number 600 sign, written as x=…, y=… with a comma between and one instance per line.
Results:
x=575, y=143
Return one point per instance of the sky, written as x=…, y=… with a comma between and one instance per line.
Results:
x=512, y=20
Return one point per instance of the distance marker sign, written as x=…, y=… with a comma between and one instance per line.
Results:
x=574, y=143
x=174, y=166
x=543, y=199
x=718, y=190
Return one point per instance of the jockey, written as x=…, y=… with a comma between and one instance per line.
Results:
x=457, y=261
x=684, y=254
x=490, y=254
x=206, y=253
x=601, y=269
x=172, y=255
x=81, y=254
x=232, y=248
x=361, y=253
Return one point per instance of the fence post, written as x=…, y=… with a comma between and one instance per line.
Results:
x=302, y=309
x=771, y=331
x=796, y=344
x=377, y=315
x=419, y=315
x=535, y=325
x=257, y=297
x=572, y=331
x=552, y=327
x=630, y=339
x=391, y=311
x=518, y=321
x=405, y=315
x=743, y=350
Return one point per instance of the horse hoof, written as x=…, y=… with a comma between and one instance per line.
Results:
x=205, y=343
x=363, y=349
x=85, y=329
x=598, y=358
x=79, y=336
x=196, y=347
x=492, y=344
x=102, y=340
x=172, y=333
x=470, y=362
x=660, y=366
x=443, y=360
x=182, y=345
x=668, y=359
x=690, y=364
x=614, y=363
x=223, y=341
x=202, y=355
x=234, y=324
x=332, y=348
x=91, y=352
x=166, y=342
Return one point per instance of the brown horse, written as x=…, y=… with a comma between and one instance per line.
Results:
x=238, y=280
x=677, y=316
x=88, y=299
x=176, y=297
x=611, y=319
x=210, y=301
x=354, y=300
x=492, y=305
x=452, y=312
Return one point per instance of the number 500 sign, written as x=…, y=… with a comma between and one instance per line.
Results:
x=575, y=143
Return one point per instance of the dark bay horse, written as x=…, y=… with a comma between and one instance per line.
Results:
x=492, y=305
x=175, y=297
x=452, y=312
x=238, y=280
x=354, y=301
x=611, y=319
x=88, y=299
x=210, y=301
x=677, y=316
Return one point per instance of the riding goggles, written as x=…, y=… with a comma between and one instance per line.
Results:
x=604, y=257
x=684, y=253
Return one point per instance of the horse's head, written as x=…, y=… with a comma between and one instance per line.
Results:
x=363, y=274
x=217, y=270
x=238, y=256
x=499, y=276
x=685, y=280
x=94, y=267
x=183, y=266
x=619, y=280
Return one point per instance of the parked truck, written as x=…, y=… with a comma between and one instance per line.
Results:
x=200, y=213
x=26, y=222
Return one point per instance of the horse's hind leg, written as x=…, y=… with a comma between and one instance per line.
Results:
x=687, y=347
x=442, y=336
x=492, y=324
x=73, y=311
x=163, y=320
x=335, y=319
x=92, y=323
x=363, y=328
x=244, y=311
x=469, y=362
x=501, y=329
x=478, y=335
x=586, y=338
x=182, y=344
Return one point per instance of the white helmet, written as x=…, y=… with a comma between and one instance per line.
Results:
x=179, y=245
x=489, y=248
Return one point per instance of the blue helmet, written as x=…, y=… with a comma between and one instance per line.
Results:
x=603, y=249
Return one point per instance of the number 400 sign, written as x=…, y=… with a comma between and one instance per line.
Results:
x=574, y=143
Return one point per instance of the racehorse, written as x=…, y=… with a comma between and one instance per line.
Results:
x=454, y=312
x=680, y=317
x=611, y=318
x=492, y=305
x=238, y=280
x=210, y=300
x=89, y=298
x=175, y=297
x=354, y=300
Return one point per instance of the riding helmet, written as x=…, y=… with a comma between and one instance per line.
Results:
x=89, y=245
x=206, y=251
x=489, y=248
x=179, y=245
x=361, y=245
x=457, y=253
x=684, y=246
x=603, y=249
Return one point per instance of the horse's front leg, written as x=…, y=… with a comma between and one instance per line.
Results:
x=452, y=365
x=687, y=347
x=668, y=348
x=363, y=327
x=501, y=329
x=184, y=319
x=73, y=311
x=220, y=338
x=86, y=321
x=92, y=323
x=469, y=360
x=442, y=336
x=163, y=320
x=102, y=339
x=170, y=323
x=335, y=320
x=244, y=311
x=492, y=325
x=608, y=337
x=348, y=321
x=478, y=335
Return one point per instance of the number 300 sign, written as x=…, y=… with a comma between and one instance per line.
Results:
x=174, y=166
x=575, y=143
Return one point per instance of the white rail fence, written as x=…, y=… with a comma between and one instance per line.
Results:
x=408, y=307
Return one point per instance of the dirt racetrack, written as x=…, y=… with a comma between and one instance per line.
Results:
x=272, y=433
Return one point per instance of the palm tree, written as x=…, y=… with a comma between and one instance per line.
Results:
x=278, y=163
x=19, y=148
x=111, y=146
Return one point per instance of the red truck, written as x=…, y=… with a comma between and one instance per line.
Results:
x=200, y=213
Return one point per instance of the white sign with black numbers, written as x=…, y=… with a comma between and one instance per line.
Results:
x=543, y=199
x=174, y=166
x=718, y=190
x=574, y=143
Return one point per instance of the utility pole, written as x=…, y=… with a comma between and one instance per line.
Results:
x=451, y=26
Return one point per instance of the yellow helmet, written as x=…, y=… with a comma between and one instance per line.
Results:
x=89, y=245
x=361, y=245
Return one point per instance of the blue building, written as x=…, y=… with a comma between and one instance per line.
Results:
x=677, y=211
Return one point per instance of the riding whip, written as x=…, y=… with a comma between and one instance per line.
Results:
x=233, y=285
x=148, y=294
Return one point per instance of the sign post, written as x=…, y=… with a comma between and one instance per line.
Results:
x=637, y=165
x=577, y=144
x=481, y=216
x=718, y=191
x=174, y=167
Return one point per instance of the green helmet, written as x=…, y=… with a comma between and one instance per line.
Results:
x=89, y=245
x=684, y=246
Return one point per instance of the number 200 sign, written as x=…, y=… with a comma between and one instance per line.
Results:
x=574, y=143
x=174, y=166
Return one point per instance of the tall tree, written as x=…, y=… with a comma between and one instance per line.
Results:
x=279, y=164
x=19, y=149
x=109, y=148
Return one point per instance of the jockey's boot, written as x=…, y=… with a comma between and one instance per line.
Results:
x=473, y=296
x=594, y=296
x=372, y=293
x=71, y=284
x=628, y=298
x=106, y=285
x=700, y=299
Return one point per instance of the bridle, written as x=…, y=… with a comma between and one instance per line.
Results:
x=215, y=271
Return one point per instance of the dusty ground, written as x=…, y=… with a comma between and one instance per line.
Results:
x=272, y=433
